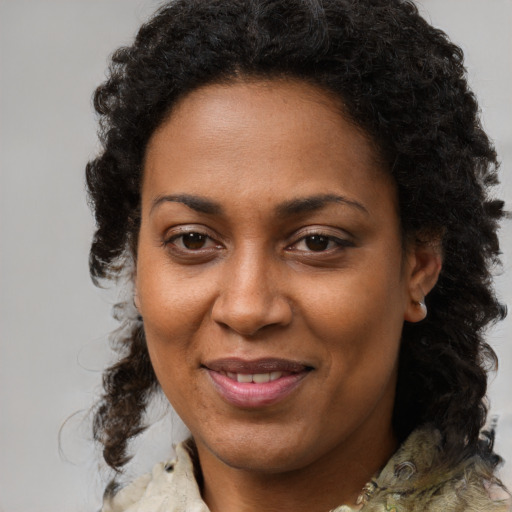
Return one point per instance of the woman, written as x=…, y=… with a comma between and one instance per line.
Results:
x=298, y=192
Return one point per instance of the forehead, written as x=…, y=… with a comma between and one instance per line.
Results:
x=271, y=106
x=263, y=138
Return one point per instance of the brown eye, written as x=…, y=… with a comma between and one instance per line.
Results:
x=317, y=242
x=194, y=241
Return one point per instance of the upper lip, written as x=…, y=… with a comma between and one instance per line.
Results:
x=265, y=365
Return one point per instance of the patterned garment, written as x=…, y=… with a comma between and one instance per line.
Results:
x=412, y=481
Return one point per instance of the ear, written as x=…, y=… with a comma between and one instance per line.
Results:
x=424, y=262
x=136, y=298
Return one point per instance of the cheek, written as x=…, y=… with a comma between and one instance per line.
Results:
x=170, y=329
x=174, y=308
x=359, y=329
x=172, y=303
x=359, y=316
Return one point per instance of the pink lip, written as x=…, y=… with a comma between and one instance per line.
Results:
x=251, y=394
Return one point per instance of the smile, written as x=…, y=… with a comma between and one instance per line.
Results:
x=253, y=384
x=256, y=377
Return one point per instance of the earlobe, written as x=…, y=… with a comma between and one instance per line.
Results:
x=136, y=298
x=424, y=266
x=136, y=301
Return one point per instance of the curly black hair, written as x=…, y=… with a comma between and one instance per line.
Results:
x=404, y=84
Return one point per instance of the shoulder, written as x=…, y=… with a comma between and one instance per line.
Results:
x=170, y=487
x=415, y=479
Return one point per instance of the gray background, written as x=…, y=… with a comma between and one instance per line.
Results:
x=53, y=323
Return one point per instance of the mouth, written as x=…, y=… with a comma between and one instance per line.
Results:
x=259, y=383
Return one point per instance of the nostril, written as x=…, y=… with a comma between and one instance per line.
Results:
x=243, y=329
x=249, y=318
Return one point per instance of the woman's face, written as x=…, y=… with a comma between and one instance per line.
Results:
x=271, y=277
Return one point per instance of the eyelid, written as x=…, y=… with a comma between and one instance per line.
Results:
x=176, y=232
x=341, y=237
x=183, y=229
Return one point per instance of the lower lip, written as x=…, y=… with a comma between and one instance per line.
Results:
x=252, y=394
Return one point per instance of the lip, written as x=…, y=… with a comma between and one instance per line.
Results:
x=252, y=394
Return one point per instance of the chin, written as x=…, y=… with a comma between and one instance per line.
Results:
x=264, y=451
x=254, y=460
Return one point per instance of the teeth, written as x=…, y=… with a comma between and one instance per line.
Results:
x=256, y=377
x=261, y=377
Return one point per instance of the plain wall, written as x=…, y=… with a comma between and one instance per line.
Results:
x=53, y=323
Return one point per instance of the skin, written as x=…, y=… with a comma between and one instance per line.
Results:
x=255, y=286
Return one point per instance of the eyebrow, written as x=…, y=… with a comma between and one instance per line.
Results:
x=288, y=208
x=199, y=204
x=314, y=203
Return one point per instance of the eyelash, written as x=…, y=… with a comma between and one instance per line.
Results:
x=172, y=241
x=340, y=244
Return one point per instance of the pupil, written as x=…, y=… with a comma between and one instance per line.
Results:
x=317, y=242
x=194, y=240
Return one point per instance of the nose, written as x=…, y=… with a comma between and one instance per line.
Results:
x=251, y=296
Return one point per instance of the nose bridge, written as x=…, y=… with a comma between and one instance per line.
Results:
x=251, y=292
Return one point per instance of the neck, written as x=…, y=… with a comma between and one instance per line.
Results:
x=335, y=479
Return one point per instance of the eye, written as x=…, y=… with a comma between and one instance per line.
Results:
x=191, y=241
x=318, y=242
